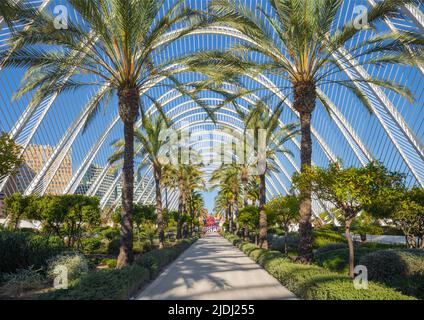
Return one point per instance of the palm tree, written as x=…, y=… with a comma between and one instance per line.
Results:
x=111, y=47
x=227, y=178
x=268, y=140
x=150, y=146
x=302, y=47
x=185, y=178
x=223, y=203
x=195, y=205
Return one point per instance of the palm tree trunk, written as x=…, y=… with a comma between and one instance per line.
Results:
x=244, y=182
x=230, y=218
x=304, y=103
x=180, y=210
x=263, y=225
x=128, y=111
x=236, y=209
x=157, y=173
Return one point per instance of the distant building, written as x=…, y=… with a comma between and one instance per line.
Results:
x=34, y=158
x=90, y=177
x=1, y=204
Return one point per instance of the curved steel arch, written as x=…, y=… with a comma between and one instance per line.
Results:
x=389, y=124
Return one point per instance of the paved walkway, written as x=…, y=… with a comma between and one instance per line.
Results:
x=214, y=269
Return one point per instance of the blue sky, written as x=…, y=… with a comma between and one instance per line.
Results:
x=209, y=197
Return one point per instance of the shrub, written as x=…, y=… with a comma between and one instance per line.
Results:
x=108, y=284
x=335, y=257
x=20, y=250
x=316, y=283
x=385, y=265
x=142, y=246
x=76, y=265
x=23, y=280
x=113, y=246
x=402, y=269
x=91, y=245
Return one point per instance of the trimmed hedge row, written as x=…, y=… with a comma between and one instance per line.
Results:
x=120, y=284
x=312, y=282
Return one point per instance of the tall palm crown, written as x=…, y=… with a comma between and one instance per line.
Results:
x=301, y=46
x=112, y=47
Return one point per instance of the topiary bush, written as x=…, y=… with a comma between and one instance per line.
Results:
x=20, y=250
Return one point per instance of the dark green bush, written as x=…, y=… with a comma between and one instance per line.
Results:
x=402, y=269
x=315, y=283
x=20, y=250
x=91, y=245
x=335, y=257
x=120, y=284
x=385, y=265
x=113, y=246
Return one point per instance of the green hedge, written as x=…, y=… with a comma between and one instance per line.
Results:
x=312, y=282
x=401, y=269
x=335, y=257
x=120, y=284
x=20, y=250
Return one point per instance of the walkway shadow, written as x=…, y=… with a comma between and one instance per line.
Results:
x=214, y=269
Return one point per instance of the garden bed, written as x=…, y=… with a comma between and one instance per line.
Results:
x=313, y=282
x=121, y=284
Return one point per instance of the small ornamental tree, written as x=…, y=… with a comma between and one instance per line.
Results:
x=18, y=207
x=409, y=216
x=350, y=190
x=249, y=219
x=142, y=214
x=68, y=216
x=9, y=155
x=285, y=211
